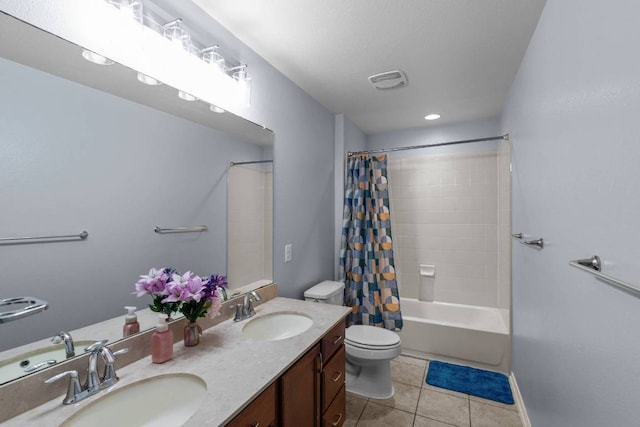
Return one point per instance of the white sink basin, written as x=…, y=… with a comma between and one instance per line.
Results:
x=18, y=366
x=164, y=400
x=277, y=326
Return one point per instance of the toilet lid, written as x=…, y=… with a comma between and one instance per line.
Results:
x=371, y=336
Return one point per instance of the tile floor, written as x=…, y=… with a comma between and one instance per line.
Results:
x=417, y=404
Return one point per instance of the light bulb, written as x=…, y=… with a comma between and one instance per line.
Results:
x=186, y=96
x=129, y=9
x=211, y=56
x=245, y=84
x=96, y=58
x=178, y=35
x=148, y=80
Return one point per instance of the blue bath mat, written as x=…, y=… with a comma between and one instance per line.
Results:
x=477, y=382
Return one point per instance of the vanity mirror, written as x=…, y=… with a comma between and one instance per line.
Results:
x=87, y=147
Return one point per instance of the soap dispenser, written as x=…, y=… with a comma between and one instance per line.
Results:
x=131, y=325
x=162, y=341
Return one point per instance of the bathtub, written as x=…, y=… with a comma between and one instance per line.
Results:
x=478, y=336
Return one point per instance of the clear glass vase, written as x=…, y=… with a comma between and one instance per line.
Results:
x=192, y=332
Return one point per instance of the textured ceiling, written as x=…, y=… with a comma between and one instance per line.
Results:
x=460, y=56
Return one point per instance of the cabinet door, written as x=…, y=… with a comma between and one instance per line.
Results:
x=260, y=412
x=300, y=392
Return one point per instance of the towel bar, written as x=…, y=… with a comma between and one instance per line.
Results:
x=593, y=265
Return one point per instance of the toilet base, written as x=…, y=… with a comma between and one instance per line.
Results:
x=371, y=380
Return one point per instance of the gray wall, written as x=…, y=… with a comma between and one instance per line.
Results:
x=303, y=153
x=573, y=115
x=74, y=158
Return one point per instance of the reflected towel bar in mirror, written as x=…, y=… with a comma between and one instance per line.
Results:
x=593, y=265
x=20, y=307
x=181, y=229
x=82, y=236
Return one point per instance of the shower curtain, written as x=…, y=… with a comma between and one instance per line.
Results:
x=366, y=252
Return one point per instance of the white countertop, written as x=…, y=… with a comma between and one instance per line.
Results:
x=236, y=368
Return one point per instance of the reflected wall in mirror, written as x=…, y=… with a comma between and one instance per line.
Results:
x=75, y=158
x=250, y=223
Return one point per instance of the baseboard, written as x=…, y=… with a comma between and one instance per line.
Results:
x=524, y=417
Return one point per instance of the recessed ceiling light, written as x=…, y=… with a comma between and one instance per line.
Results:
x=432, y=117
x=95, y=58
x=216, y=109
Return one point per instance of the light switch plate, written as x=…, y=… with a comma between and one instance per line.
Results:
x=288, y=249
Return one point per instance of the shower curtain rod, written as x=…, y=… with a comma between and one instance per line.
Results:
x=249, y=163
x=504, y=137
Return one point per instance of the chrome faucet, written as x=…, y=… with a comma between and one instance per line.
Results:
x=94, y=383
x=245, y=310
x=68, y=343
x=109, y=377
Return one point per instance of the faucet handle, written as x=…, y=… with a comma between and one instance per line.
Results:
x=249, y=306
x=74, y=390
x=121, y=351
x=110, y=377
x=96, y=346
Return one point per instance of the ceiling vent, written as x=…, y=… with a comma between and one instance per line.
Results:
x=389, y=80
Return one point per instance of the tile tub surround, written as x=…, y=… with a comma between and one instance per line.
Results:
x=452, y=211
x=235, y=368
x=12, y=394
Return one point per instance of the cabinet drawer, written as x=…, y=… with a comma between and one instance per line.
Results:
x=335, y=415
x=333, y=340
x=262, y=411
x=333, y=378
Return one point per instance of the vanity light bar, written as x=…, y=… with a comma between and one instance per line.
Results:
x=131, y=13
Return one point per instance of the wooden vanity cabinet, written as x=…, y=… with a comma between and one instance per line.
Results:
x=300, y=392
x=260, y=412
x=311, y=393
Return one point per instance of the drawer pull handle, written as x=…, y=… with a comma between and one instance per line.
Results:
x=339, y=419
x=255, y=425
x=336, y=339
x=337, y=377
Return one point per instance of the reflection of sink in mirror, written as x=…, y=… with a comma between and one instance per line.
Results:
x=277, y=326
x=38, y=359
x=164, y=400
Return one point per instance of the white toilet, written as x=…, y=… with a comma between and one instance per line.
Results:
x=369, y=349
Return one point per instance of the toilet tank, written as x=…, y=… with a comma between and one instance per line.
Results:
x=327, y=292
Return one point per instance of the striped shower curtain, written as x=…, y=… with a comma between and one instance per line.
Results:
x=366, y=252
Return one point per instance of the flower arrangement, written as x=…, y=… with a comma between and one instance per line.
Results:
x=155, y=284
x=190, y=294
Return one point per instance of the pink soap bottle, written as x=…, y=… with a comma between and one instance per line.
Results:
x=131, y=325
x=162, y=341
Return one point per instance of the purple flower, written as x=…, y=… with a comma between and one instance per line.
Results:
x=154, y=283
x=187, y=287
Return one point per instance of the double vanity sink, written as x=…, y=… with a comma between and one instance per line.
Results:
x=277, y=326
x=168, y=400
x=204, y=385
